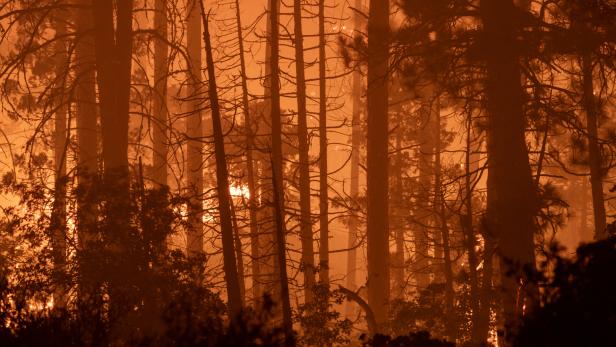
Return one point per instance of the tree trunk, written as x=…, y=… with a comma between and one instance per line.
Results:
x=594, y=150
x=252, y=203
x=423, y=212
x=397, y=209
x=351, y=282
x=269, y=266
x=222, y=186
x=304, y=164
x=113, y=47
x=439, y=202
x=87, y=152
x=513, y=196
x=323, y=185
x=470, y=242
x=378, y=160
x=194, y=131
x=58, y=218
x=277, y=176
x=160, y=122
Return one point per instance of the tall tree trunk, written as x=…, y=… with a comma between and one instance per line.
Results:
x=397, y=209
x=513, y=196
x=470, y=242
x=594, y=150
x=222, y=180
x=323, y=185
x=277, y=175
x=58, y=218
x=113, y=47
x=194, y=131
x=252, y=203
x=87, y=144
x=237, y=239
x=351, y=282
x=423, y=212
x=439, y=202
x=269, y=266
x=378, y=160
x=160, y=122
x=304, y=163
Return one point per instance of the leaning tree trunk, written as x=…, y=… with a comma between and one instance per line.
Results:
x=304, y=162
x=378, y=161
x=513, y=197
x=194, y=131
x=159, y=121
x=594, y=150
x=222, y=186
x=277, y=175
x=250, y=176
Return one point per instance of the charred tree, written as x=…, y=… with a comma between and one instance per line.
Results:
x=304, y=161
x=277, y=174
x=594, y=150
x=356, y=134
x=250, y=169
x=378, y=160
x=87, y=147
x=222, y=182
x=511, y=193
x=194, y=132
x=58, y=218
x=159, y=123
x=323, y=185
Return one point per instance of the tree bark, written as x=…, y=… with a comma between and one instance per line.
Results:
x=423, y=210
x=513, y=195
x=378, y=161
x=304, y=163
x=351, y=270
x=194, y=131
x=252, y=203
x=160, y=121
x=470, y=241
x=87, y=147
x=594, y=150
x=113, y=50
x=58, y=218
x=323, y=185
x=222, y=179
x=439, y=200
x=277, y=175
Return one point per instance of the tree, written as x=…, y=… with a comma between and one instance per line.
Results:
x=323, y=185
x=277, y=177
x=87, y=144
x=160, y=121
x=351, y=270
x=511, y=193
x=113, y=51
x=222, y=180
x=304, y=164
x=194, y=131
x=58, y=218
x=377, y=160
x=252, y=201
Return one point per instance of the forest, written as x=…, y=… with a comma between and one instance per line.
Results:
x=410, y=173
